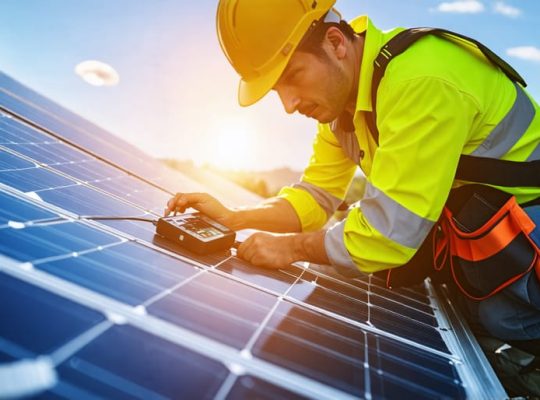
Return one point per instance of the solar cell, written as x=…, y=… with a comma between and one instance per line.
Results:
x=134, y=316
x=36, y=321
x=222, y=309
x=276, y=280
x=249, y=387
x=51, y=240
x=124, y=271
x=15, y=210
x=339, y=354
x=126, y=362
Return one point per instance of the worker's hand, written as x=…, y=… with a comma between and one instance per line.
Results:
x=202, y=202
x=270, y=250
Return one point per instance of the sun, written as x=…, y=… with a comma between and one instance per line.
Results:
x=233, y=145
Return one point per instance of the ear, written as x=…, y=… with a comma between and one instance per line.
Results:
x=337, y=42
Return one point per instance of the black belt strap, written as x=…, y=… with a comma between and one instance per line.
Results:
x=470, y=168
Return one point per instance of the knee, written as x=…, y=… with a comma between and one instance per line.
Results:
x=501, y=317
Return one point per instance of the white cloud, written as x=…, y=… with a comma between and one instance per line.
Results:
x=461, y=6
x=505, y=9
x=97, y=73
x=529, y=53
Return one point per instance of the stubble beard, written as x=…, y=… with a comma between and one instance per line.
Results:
x=338, y=92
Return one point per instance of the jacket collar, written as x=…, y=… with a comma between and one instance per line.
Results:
x=374, y=39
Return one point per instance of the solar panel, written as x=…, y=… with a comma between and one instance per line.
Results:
x=114, y=311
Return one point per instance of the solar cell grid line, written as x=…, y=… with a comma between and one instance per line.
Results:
x=69, y=262
x=382, y=332
x=334, y=352
x=412, y=309
x=416, y=292
x=100, y=266
x=33, y=309
x=26, y=176
x=247, y=349
x=82, y=167
x=354, y=309
x=17, y=100
x=175, y=334
x=250, y=387
x=20, y=102
x=12, y=131
x=407, y=298
x=27, y=104
x=265, y=288
x=442, y=351
x=76, y=163
x=378, y=292
x=280, y=279
x=14, y=211
x=76, y=335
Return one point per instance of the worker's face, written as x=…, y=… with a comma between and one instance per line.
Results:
x=317, y=87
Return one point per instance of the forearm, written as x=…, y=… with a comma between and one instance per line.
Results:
x=273, y=215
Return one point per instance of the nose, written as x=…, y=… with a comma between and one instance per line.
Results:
x=289, y=99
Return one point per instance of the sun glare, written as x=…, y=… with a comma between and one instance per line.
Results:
x=233, y=145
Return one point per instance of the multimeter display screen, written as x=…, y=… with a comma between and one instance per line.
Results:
x=201, y=229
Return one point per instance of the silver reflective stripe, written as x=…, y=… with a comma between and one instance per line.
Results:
x=511, y=128
x=535, y=155
x=334, y=243
x=392, y=220
x=328, y=202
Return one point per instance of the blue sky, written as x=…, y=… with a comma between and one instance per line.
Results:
x=177, y=95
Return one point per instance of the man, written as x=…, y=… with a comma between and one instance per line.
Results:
x=438, y=100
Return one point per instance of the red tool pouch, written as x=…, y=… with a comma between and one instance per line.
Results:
x=483, y=238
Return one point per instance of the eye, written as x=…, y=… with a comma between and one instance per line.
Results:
x=294, y=74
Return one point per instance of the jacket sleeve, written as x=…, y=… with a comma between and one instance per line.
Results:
x=424, y=124
x=324, y=183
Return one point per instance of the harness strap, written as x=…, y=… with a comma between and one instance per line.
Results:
x=470, y=168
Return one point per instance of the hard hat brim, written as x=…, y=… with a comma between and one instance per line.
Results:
x=251, y=92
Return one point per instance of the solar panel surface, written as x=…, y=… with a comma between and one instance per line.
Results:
x=119, y=313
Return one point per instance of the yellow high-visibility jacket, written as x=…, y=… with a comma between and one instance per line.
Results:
x=439, y=99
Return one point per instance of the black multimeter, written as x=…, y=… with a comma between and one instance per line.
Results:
x=196, y=232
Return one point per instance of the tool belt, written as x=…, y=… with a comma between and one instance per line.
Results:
x=483, y=237
x=481, y=243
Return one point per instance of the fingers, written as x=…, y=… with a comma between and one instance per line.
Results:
x=181, y=201
x=246, y=250
x=173, y=204
x=253, y=251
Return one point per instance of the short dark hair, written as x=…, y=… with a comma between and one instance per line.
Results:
x=312, y=41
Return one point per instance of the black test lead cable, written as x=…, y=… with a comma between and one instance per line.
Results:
x=106, y=218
